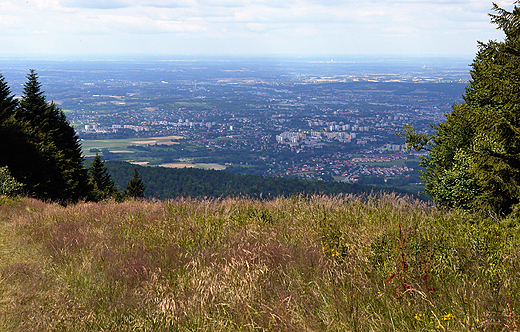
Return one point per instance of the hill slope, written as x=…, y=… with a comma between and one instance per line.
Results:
x=343, y=263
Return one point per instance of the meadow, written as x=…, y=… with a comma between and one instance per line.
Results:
x=121, y=145
x=317, y=263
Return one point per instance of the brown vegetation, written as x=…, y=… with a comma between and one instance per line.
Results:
x=343, y=263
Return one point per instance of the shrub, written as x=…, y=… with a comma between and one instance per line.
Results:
x=8, y=184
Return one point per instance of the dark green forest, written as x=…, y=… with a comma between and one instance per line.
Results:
x=167, y=183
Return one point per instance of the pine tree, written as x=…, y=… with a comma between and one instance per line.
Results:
x=135, y=187
x=102, y=186
x=60, y=174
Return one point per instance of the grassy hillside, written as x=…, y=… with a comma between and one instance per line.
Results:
x=344, y=263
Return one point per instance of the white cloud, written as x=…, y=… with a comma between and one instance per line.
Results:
x=311, y=26
x=95, y=4
x=114, y=4
x=10, y=22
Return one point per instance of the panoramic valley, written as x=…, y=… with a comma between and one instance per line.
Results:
x=311, y=118
x=211, y=166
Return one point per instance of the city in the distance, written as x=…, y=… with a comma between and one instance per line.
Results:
x=331, y=119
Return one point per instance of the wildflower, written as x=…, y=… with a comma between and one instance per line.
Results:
x=391, y=277
x=447, y=317
x=418, y=317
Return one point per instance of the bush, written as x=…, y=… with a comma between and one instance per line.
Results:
x=8, y=184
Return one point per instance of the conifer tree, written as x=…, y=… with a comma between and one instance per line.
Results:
x=474, y=158
x=135, y=187
x=60, y=174
x=7, y=101
x=16, y=151
x=102, y=186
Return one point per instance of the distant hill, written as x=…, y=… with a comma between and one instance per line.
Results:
x=165, y=183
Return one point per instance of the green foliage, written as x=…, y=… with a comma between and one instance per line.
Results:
x=474, y=159
x=102, y=186
x=40, y=146
x=415, y=141
x=7, y=101
x=135, y=187
x=8, y=184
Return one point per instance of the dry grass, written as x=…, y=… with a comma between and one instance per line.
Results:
x=343, y=263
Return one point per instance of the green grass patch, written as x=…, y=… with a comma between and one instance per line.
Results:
x=122, y=144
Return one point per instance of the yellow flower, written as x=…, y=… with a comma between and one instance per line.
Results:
x=447, y=317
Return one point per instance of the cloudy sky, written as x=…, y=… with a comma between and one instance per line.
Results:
x=245, y=27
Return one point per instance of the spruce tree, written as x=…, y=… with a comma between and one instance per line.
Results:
x=16, y=150
x=135, y=187
x=60, y=174
x=102, y=186
x=7, y=101
x=474, y=158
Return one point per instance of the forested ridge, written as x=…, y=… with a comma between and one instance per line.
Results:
x=167, y=183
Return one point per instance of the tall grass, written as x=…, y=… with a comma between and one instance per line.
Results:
x=343, y=263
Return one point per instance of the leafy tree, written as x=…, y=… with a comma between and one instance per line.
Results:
x=102, y=186
x=135, y=187
x=474, y=156
x=8, y=184
x=59, y=175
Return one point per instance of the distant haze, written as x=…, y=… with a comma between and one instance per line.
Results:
x=245, y=27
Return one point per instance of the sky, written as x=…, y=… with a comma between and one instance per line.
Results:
x=245, y=27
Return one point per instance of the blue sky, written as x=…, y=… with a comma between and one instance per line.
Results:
x=245, y=27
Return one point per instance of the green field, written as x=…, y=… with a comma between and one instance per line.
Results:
x=121, y=145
